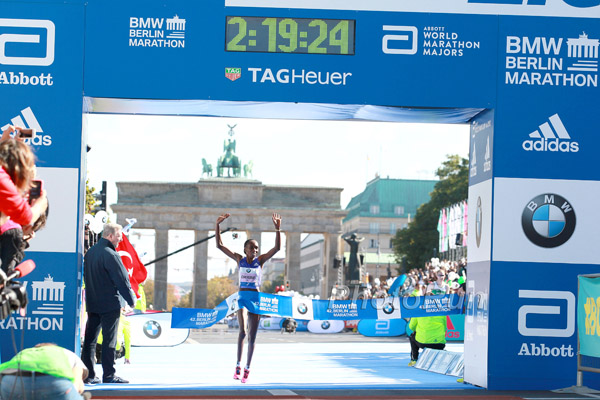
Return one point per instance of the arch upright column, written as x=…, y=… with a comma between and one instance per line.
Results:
x=161, y=248
x=200, y=286
x=292, y=259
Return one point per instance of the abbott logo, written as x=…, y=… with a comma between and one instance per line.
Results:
x=404, y=42
x=11, y=38
x=554, y=137
x=526, y=310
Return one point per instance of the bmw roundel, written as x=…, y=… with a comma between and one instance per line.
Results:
x=548, y=220
x=388, y=308
x=302, y=308
x=325, y=325
x=248, y=270
x=152, y=329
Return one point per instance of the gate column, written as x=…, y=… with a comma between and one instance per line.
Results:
x=200, y=287
x=161, y=269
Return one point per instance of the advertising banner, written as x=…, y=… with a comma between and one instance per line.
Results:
x=41, y=81
x=588, y=312
x=203, y=51
x=558, y=8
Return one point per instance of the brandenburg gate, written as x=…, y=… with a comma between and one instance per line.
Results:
x=196, y=206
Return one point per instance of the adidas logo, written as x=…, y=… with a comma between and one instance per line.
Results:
x=27, y=119
x=553, y=137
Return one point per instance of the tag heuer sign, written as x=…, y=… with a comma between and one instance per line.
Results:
x=233, y=73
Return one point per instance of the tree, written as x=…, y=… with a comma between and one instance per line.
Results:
x=416, y=243
x=219, y=288
x=90, y=199
x=269, y=286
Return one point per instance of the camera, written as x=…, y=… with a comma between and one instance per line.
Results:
x=25, y=133
x=13, y=296
x=36, y=190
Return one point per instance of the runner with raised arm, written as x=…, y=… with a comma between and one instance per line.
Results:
x=250, y=271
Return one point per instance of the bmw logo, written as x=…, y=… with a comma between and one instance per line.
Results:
x=325, y=325
x=233, y=303
x=152, y=329
x=248, y=270
x=388, y=308
x=478, y=221
x=548, y=220
x=302, y=309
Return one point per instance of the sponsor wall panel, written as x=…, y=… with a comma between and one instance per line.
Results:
x=570, y=8
x=548, y=89
x=414, y=53
x=533, y=343
x=62, y=185
x=53, y=294
x=41, y=79
x=479, y=239
x=481, y=147
x=545, y=220
x=476, y=323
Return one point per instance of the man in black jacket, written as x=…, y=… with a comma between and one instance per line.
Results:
x=107, y=290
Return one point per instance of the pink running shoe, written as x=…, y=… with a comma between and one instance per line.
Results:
x=237, y=373
x=245, y=377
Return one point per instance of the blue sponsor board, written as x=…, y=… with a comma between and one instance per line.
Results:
x=535, y=320
x=41, y=81
x=382, y=327
x=557, y=61
x=481, y=147
x=408, y=51
x=52, y=312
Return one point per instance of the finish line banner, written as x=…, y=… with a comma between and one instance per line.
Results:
x=311, y=309
x=588, y=310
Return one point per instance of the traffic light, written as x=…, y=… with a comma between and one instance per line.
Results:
x=287, y=285
x=103, y=205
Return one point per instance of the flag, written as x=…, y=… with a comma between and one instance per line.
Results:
x=135, y=268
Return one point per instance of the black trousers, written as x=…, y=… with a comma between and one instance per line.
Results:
x=109, y=323
x=415, y=346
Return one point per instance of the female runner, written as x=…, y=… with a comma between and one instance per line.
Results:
x=250, y=269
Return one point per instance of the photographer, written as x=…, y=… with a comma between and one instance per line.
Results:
x=45, y=371
x=16, y=176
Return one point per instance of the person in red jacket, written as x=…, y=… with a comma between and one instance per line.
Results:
x=17, y=172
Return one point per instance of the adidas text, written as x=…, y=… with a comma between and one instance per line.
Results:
x=551, y=145
x=302, y=76
x=532, y=349
x=20, y=78
x=40, y=140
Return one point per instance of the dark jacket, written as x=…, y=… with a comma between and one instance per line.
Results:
x=107, y=286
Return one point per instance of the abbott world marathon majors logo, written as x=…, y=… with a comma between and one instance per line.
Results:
x=27, y=119
x=440, y=41
x=26, y=42
x=157, y=32
x=558, y=309
x=552, y=136
x=548, y=220
x=45, y=308
x=552, y=61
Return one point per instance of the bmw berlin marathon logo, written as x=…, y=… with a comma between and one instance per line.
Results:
x=548, y=220
x=152, y=329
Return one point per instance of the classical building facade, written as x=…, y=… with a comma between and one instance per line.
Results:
x=195, y=206
x=376, y=214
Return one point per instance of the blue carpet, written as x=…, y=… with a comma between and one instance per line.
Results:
x=278, y=366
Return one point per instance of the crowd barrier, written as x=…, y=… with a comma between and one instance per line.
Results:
x=310, y=309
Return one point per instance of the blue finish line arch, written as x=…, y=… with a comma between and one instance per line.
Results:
x=524, y=73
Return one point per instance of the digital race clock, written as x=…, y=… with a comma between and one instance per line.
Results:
x=290, y=35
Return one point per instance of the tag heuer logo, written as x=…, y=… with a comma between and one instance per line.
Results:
x=233, y=73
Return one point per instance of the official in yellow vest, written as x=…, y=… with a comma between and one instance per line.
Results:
x=427, y=332
x=43, y=372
